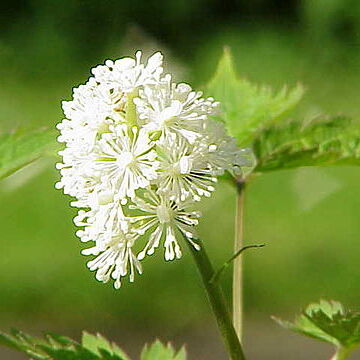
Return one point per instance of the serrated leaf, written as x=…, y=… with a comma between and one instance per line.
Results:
x=59, y=339
x=20, y=148
x=320, y=142
x=159, y=351
x=94, y=342
x=25, y=344
x=181, y=355
x=245, y=107
x=71, y=353
x=53, y=347
x=100, y=345
x=93, y=347
x=328, y=321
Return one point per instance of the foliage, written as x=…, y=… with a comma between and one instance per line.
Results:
x=158, y=351
x=328, y=321
x=20, y=148
x=322, y=141
x=256, y=117
x=97, y=344
x=247, y=108
x=92, y=347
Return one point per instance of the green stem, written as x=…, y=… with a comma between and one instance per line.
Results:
x=238, y=262
x=218, y=303
x=342, y=353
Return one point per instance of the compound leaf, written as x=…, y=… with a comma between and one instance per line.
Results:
x=246, y=108
x=328, y=321
x=319, y=142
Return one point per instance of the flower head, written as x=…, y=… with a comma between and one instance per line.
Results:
x=174, y=108
x=162, y=217
x=139, y=151
x=184, y=171
x=125, y=160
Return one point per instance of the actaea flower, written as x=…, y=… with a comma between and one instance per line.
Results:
x=139, y=152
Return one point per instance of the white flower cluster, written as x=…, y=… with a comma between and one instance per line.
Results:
x=140, y=151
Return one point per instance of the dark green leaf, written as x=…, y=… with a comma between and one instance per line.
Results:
x=246, y=108
x=328, y=321
x=320, y=142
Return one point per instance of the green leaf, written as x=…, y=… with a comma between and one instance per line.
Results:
x=320, y=142
x=56, y=347
x=20, y=148
x=159, y=351
x=328, y=321
x=75, y=352
x=181, y=355
x=24, y=343
x=98, y=343
x=247, y=108
x=92, y=347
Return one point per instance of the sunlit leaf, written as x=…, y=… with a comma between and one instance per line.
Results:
x=97, y=343
x=247, y=108
x=159, y=351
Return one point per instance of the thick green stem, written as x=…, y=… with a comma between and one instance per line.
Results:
x=218, y=303
x=238, y=263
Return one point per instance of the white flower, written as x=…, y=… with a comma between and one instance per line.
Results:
x=77, y=177
x=102, y=100
x=163, y=217
x=90, y=111
x=172, y=108
x=114, y=259
x=139, y=151
x=101, y=221
x=126, y=74
x=183, y=173
x=125, y=160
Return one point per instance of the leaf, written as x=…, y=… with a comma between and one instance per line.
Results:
x=247, y=108
x=20, y=148
x=181, y=355
x=320, y=142
x=158, y=351
x=56, y=347
x=75, y=352
x=98, y=343
x=328, y=321
x=92, y=347
x=23, y=343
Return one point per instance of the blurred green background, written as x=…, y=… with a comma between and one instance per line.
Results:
x=309, y=218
